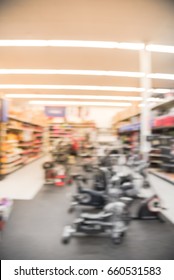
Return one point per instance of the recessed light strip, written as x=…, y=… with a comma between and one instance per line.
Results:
x=85, y=73
x=72, y=96
x=70, y=72
x=71, y=43
x=80, y=97
x=76, y=103
x=161, y=90
x=161, y=76
x=71, y=87
x=160, y=48
x=86, y=44
x=81, y=87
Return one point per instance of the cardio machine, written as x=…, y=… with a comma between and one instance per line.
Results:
x=112, y=221
x=99, y=197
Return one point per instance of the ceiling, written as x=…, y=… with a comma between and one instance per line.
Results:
x=133, y=21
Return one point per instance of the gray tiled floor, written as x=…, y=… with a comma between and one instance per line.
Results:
x=35, y=227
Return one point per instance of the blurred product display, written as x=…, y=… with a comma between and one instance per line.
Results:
x=104, y=169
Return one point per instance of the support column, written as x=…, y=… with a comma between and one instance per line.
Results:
x=145, y=67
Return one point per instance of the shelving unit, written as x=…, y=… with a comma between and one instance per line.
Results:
x=161, y=155
x=130, y=140
x=62, y=130
x=163, y=132
x=155, y=152
x=21, y=143
x=127, y=127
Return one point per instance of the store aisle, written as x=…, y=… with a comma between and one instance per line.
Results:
x=39, y=215
x=35, y=227
x=23, y=183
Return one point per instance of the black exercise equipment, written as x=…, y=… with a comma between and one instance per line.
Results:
x=150, y=209
x=97, y=198
x=113, y=220
x=87, y=197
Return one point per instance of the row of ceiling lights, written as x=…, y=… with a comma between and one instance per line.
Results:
x=83, y=87
x=85, y=73
x=86, y=44
x=81, y=97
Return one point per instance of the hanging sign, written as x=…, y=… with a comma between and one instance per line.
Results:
x=55, y=111
x=78, y=114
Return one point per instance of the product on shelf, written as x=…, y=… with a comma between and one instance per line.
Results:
x=161, y=123
x=22, y=143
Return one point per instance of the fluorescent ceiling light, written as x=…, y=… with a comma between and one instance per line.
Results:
x=81, y=87
x=86, y=44
x=70, y=72
x=82, y=97
x=71, y=87
x=131, y=46
x=85, y=73
x=160, y=48
x=161, y=76
x=58, y=43
x=160, y=90
x=71, y=43
x=78, y=103
x=63, y=96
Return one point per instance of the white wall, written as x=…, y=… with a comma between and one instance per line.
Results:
x=103, y=115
